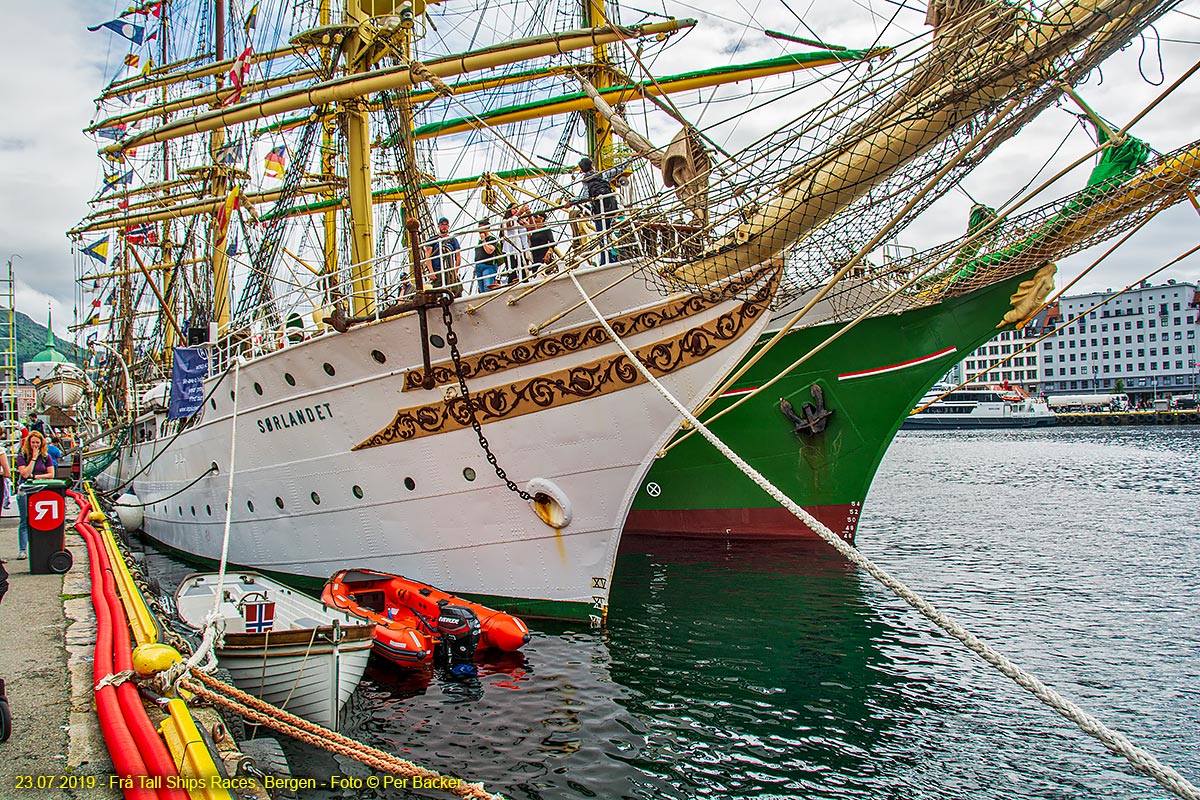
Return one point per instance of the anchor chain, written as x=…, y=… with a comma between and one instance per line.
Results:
x=452, y=341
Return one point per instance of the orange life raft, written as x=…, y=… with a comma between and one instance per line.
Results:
x=412, y=618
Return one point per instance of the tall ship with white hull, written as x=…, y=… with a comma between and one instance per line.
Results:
x=489, y=443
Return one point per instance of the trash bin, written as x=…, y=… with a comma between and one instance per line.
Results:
x=46, y=512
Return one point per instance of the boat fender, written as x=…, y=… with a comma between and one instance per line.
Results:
x=154, y=657
x=97, y=516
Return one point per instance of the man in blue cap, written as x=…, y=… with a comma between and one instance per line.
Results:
x=443, y=259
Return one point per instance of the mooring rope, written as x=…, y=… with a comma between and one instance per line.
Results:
x=1141, y=760
x=257, y=711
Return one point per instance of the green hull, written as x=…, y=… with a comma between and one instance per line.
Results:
x=871, y=378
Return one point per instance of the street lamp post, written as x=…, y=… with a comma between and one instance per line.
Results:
x=1095, y=379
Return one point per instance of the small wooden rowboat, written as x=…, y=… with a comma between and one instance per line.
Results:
x=413, y=619
x=281, y=646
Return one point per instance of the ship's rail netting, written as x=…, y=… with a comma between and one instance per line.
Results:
x=1019, y=244
x=878, y=145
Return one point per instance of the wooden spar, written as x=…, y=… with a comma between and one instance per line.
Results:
x=356, y=86
x=162, y=301
x=159, y=267
x=149, y=188
x=827, y=184
x=616, y=95
x=206, y=206
x=425, y=95
x=219, y=67
x=203, y=99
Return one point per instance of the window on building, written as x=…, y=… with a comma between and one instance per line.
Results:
x=1178, y=334
x=1154, y=366
x=1154, y=337
x=1093, y=342
x=1142, y=367
x=1072, y=356
x=1092, y=315
x=1178, y=365
x=1141, y=337
x=1105, y=368
x=1153, y=351
x=1093, y=327
x=1104, y=326
x=1104, y=341
x=1141, y=353
x=1116, y=367
x=1128, y=325
x=1050, y=345
x=1139, y=323
x=1177, y=320
x=1175, y=307
x=1049, y=359
x=1192, y=333
x=1191, y=348
x=1129, y=354
x=1178, y=349
x=1152, y=322
x=1050, y=372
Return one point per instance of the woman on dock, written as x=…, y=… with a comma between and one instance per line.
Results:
x=33, y=463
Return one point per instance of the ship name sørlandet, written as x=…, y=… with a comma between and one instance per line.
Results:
x=319, y=412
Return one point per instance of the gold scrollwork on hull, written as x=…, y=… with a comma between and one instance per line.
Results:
x=580, y=382
x=583, y=337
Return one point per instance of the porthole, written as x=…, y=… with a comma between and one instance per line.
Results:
x=329, y=370
x=250, y=505
x=316, y=498
x=357, y=490
x=213, y=467
x=193, y=511
x=232, y=397
x=257, y=388
x=410, y=484
x=212, y=402
x=208, y=510
x=378, y=356
x=437, y=341
x=181, y=511
x=288, y=379
x=469, y=474
x=279, y=502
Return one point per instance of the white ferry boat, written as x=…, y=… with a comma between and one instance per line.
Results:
x=983, y=407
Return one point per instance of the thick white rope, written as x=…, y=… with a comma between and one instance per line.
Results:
x=1141, y=760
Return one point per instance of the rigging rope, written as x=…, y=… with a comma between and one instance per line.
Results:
x=1115, y=742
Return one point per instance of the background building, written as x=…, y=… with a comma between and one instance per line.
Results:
x=1142, y=343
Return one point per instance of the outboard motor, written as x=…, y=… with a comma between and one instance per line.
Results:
x=460, y=633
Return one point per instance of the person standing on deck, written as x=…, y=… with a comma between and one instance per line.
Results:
x=443, y=258
x=489, y=259
x=514, y=242
x=601, y=197
x=541, y=241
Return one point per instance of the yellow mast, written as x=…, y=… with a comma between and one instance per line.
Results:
x=359, y=60
x=599, y=130
x=327, y=170
x=220, y=264
x=168, y=280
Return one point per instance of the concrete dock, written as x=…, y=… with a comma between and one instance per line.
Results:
x=47, y=630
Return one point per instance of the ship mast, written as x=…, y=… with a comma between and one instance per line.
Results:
x=169, y=278
x=220, y=263
x=328, y=126
x=358, y=166
x=599, y=129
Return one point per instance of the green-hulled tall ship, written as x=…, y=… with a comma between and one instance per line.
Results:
x=820, y=431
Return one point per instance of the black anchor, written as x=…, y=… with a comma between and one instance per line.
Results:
x=812, y=417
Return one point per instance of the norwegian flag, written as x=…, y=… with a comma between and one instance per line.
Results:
x=141, y=234
x=260, y=617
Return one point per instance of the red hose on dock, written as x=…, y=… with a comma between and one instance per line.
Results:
x=134, y=740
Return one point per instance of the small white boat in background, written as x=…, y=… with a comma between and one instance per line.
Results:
x=281, y=646
x=984, y=407
x=62, y=388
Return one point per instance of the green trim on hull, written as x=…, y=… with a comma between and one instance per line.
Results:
x=835, y=467
x=524, y=607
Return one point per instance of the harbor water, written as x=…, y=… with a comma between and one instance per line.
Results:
x=767, y=670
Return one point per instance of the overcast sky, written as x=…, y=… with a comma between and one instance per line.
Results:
x=52, y=68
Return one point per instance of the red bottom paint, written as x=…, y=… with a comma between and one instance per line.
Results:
x=743, y=523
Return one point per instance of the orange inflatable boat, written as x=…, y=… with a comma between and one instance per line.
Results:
x=413, y=620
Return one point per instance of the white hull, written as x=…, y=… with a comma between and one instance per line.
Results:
x=469, y=536
x=298, y=683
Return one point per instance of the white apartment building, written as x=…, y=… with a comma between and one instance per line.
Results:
x=1144, y=339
